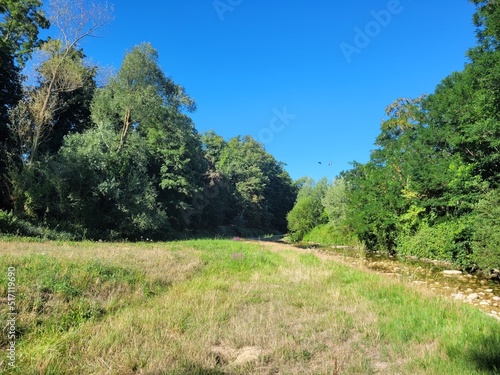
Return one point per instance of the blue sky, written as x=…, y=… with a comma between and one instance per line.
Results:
x=279, y=71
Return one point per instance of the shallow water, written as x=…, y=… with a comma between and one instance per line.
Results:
x=472, y=289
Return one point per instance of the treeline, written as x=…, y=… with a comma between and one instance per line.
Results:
x=431, y=186
x=120, y=160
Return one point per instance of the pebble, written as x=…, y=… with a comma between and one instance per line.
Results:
x=451, y=273
x=472, y=297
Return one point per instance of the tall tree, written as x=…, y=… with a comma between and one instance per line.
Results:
x=61, y=72
x=20, y=22
x=142, y=100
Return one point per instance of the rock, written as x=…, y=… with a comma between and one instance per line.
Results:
x=452, y=273
x=472, y=297
x=496, y=298
x=458, y=296
x=484, y=303
x=488, y=290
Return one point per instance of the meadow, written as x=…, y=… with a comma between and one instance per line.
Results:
x=227, y=307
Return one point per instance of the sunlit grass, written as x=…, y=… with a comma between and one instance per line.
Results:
x=229, y=307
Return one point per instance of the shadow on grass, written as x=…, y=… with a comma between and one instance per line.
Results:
x=486, y=356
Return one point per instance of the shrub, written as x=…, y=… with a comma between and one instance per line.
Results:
x=447, y=241
x=486, y=239
x=304, y=217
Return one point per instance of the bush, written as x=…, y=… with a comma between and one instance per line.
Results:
x=447, y=241
x=12, y=225
x=486, y=239
x=6, y=222
x=304, y=216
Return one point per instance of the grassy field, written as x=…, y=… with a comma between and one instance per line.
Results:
x=227, y=307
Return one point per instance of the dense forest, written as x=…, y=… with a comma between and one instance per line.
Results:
x=122, y=159
x=431, y=187
x=119, y=158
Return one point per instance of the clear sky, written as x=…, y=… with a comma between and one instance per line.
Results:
x=311, y=80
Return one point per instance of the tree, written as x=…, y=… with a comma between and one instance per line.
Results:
x=110, y=194
x=60, y=72
x=20, y=22
x=19, y=25
x=262, y=191
x=142, y=100
x=308, y=211
x=335, y=201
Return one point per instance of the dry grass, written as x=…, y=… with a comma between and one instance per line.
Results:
x=260, y=312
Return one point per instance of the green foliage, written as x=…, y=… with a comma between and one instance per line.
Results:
x=6, y=222
x=447, y=241
x=141, y=100
x=110, y=193
x=308, y=211
x=260, y=190
x=335, y=201
x=304, y=217
x=14, y=227
x=328, y=234
x=486, y=242
x=19, y=25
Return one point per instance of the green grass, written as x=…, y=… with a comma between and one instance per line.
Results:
x=198, y=307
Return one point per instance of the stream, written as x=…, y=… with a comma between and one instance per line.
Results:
x=440, y=277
